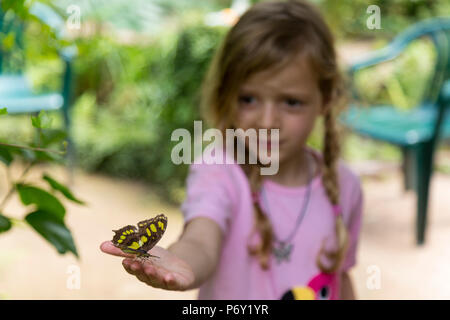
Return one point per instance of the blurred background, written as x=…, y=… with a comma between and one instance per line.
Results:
x=135, y=76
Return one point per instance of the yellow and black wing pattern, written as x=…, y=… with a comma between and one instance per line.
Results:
x=140, y=240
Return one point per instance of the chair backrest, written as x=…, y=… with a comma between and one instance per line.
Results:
x=438, y=30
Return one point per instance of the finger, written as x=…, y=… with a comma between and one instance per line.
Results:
x=164, y=278
x=136, y=267
x=109, y=248
x=169, y=282
x=146, y=273
x=174, y=283
x=126, y=263
x=150, y=279
x=132, y=268
x=151, y=272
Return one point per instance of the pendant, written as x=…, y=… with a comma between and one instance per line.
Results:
x=283, y=251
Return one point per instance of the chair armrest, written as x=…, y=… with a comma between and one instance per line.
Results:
x=396, y=46
x=49, y=17
x=387, y=53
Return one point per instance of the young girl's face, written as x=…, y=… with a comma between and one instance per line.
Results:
x=288, y=99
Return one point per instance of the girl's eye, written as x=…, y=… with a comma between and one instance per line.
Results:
x=246, y=99
x=293, y=102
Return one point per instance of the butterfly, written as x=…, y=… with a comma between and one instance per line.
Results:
x=138, y=241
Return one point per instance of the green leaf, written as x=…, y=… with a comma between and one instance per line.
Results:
x=61, y=188
x=3, y=111
x=42, y=121
x=51, y=136
x=53, y=230
x=5, y=223
x=42, y=156
x=5, y=156
x=42, y=199
x=27, y=154
x=36, y=122
x=8, y=41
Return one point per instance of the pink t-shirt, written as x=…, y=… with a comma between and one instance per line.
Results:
x=222, y=193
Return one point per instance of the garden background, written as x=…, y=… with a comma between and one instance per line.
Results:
x=137, y=77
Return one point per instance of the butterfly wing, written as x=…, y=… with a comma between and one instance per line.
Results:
x=128, y=240
x=151, y=231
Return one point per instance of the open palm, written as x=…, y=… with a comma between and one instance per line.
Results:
x=166, y=272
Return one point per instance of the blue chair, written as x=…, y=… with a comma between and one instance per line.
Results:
x=15, y=91
x=418, y=130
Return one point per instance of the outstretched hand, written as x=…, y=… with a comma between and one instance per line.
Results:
x=166, y=272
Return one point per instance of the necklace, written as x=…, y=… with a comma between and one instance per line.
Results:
x=282, y=249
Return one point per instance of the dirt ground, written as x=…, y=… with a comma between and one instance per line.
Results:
x=31, y=269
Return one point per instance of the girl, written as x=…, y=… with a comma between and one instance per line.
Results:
x=292, y=235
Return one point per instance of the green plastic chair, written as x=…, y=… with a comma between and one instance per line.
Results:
x=15, y=91
x=417, y=131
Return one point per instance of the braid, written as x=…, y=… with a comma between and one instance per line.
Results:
x=330, y=183
x=262, y=225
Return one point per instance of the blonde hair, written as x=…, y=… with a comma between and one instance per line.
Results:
x=270, y=35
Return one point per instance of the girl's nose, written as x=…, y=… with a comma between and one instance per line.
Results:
x=269, y=117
